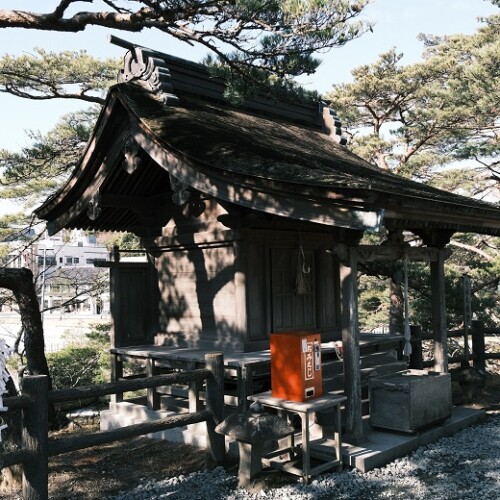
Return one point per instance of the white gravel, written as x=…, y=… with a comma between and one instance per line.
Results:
x=465, y=466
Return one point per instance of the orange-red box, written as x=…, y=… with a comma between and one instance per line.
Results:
x=296, y=366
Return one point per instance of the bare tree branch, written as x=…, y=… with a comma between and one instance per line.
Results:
x=261, y=33
x=473, y=249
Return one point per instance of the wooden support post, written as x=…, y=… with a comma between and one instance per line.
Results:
x=153, y=398
x=350, y=343
x=478, y=346
x=439, y=314
x=35, y=438
x=116, y=374
x=194, y=391
x=194, y=396
x=245, y=386
x=240, y=292
x=215, y=404
x=416, y=357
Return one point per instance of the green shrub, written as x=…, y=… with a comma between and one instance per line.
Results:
x=77, y=364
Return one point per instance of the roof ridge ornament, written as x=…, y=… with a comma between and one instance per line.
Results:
x=333, y=125
x=143, y=65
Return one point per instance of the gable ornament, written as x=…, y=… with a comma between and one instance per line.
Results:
x=143, y=66
x=333, y=125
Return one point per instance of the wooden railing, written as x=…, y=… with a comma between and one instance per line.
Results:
x=478, y=354
x=36, y=446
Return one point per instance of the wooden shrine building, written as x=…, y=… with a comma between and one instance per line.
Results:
x=234, y=203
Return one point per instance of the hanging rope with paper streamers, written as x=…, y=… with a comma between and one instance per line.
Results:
x=407, y=334
x=302, y=279
x=5, y=351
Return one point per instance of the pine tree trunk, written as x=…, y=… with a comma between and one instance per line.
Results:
x=20, y=282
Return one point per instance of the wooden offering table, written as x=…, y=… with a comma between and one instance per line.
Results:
x=327, y=451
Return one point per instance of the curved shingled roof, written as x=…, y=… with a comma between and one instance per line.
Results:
x=254, y=156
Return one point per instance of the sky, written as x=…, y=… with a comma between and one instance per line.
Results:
x=397, y=23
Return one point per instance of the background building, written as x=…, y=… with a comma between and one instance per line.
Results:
x=63, y=267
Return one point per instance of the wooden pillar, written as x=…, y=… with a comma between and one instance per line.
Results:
x=478, y=346
x=153, y=397
x=245, y=386
x=116, y=374
x=439, y=314
x=35, y=438
x=416, y=357
x=116, y=334
x=215, y=404
x=240, y=296
x=350, y=344
x=194, y=389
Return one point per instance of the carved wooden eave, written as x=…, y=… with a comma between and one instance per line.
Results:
x=166, y=136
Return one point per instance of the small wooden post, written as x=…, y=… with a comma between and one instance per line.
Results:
x=245, y=388
x=35, y=438
x=416, y=357
x=478, y=346
x=215, y=404
x=116, y=374
x=153, y=398
x=194, y=391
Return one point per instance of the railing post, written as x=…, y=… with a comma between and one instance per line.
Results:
x=35, y=438
x=153, y=398
x=416, y=357
x=478, y=346
x=215, y=403
x=116, y=374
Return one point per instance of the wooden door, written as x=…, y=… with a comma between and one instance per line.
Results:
x=134, y=304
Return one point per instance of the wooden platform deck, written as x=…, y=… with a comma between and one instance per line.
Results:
x=380, y=354
x=248, y=373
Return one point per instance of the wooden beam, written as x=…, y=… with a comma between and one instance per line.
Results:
x=434, y=238
x=452, y=215
x=439, y=314
x=350, y=344
x=209, y=238
x=375, y=253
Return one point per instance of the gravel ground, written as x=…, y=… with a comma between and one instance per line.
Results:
x=464, y=466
